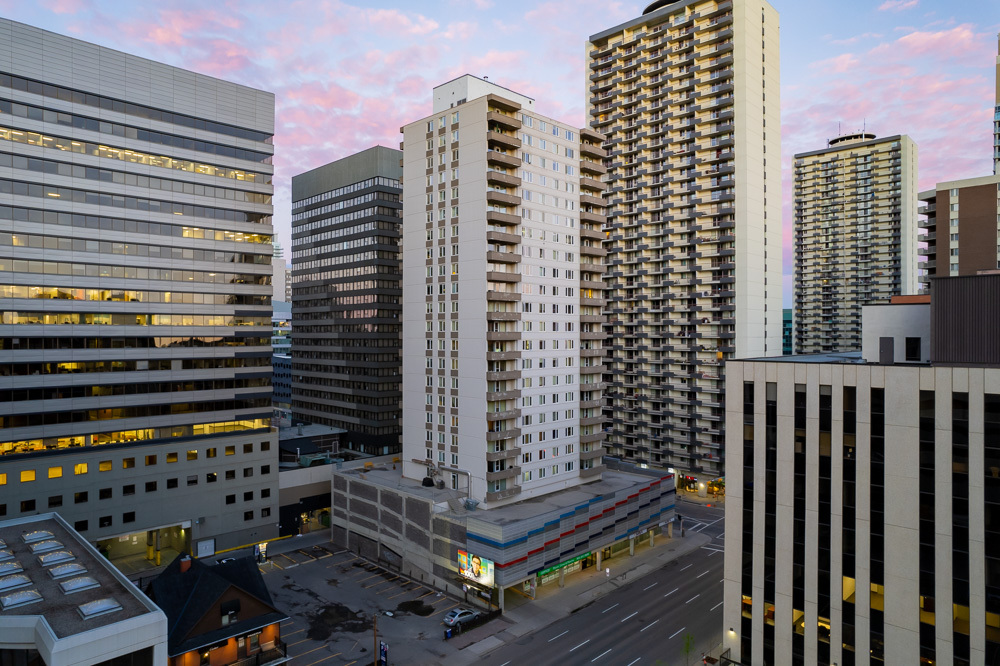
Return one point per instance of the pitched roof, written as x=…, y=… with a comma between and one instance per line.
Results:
x=186, y=597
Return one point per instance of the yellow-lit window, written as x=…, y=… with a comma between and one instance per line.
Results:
x=150, y=461
x=171, y=457
x=55, y=472
x=3, y=479
x=209, y=453
x=192, y=454
x=80, y=468
x=27, y=475
x=128, y=463
x=104, y=466
x=230, y=450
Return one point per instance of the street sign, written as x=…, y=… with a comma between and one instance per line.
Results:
x=383, y=653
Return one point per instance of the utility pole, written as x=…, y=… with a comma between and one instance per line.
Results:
x=375, y=639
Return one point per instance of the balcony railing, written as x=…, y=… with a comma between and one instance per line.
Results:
x=278, y=654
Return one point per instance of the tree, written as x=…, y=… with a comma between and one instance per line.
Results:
x=688, y=648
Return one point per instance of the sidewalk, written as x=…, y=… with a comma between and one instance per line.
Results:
x=685, y=496
x=581, y=589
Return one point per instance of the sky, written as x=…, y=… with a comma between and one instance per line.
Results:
x=347, y=76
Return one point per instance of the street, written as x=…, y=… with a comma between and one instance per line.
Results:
x=645, y=621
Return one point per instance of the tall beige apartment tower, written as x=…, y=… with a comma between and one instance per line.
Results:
x=502, y=330
x=855, y=235
x=688, y=96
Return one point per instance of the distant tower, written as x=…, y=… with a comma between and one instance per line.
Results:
x=996, y=117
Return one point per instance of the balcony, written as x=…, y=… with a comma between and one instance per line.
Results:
x=596, y=470
x=496, y=217
x=502, y=336
x=588, y=134
x=597, y=218
x=498, y=158
x=500, y=276
x=592, y=420
x=584, y=199
x=512, y=355
x=503, y=316
x=509, y=473
x=513, y=452
x=512, y=394
x=507, y=296
x=596, y=452
x=503, y=494
x=503, y=257
x=504, y=415
x=592, y=234
x=497, y=435
x=496, y=197
x=590, y=184
x=593, y=251
x=591, y=150
x=502, y=141
x=509, y=123
x=502, y=237
x=503, y=179
x=502, y=375
x=591, y=438
x=586, y=166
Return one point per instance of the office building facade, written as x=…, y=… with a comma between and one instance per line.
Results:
x=502, y=337
x=135, y=283
x=855, y=235
x=346, y=298
x=961, y=232
x=862, y=504
x=688, y=98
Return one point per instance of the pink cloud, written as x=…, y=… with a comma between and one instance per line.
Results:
x=66, y=6
x=394, y=22
x=897, y=5
x=838, y=65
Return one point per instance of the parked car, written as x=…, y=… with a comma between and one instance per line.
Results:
x=460, y=616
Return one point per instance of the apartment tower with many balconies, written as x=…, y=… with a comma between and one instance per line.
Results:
x=855, y=235
x=502, y=325
x=135, y=289
x=687, y=95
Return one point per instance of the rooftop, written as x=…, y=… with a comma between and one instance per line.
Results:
x=828, y=357
x=49, y=570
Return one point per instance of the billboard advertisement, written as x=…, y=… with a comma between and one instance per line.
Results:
x=475, y=568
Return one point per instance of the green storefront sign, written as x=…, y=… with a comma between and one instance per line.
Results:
x=559, y=566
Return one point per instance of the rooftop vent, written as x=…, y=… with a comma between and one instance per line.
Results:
x=44, y=546
x=3, y=544
x=6, y=555
x=55, y=557
x=66, y=570
x=99, y=607
x=8, y=583
x=78, y=584
x=37, y=535
x=19, y=598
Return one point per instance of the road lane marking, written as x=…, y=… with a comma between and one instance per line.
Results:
x=645, y=628
x=505, y=663
x=599, y=656
x=714, y=607
x=562, y=634
x=631, y=616
x=720, y=536
x=650, y=587
x=677, y=632
x=687, y=567
x=701, y=574
x=607, y=609
x=692, y=598
x=630, y=663
x=325, y=659
x=581, y=644
x=717, y=550
x=671, y=592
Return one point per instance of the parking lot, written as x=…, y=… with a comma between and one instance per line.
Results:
x=333, y=598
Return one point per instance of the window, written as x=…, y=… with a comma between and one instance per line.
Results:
x=104, y=466
x=230, y=499
x=104, y=521
x=266, y=492
x=230, y=474
x=55, y=472
x=171, y=457
x=27, y=505
x=104, y=493
x=248, y=496
x=209, y=453
x=248, y=448
x=55, y=501
x=248, y=515
x=230, y=450
x=80, y=526
x=247, y=472
x=150, y=461
x=151, y=486
x=192, y=454
x=128, y=463
x=211, y=477
x=912, y=349
x=265, y=469
x=171, y=483
x=3, y=479
x=192, y=480
x=265, y=512
x=80, y=498
x=265, y=446
x=128, y=517
x=27, y=475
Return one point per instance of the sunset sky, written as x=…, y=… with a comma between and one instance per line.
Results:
x=348, y=76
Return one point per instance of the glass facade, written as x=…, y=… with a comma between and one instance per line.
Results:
x=346, y=299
